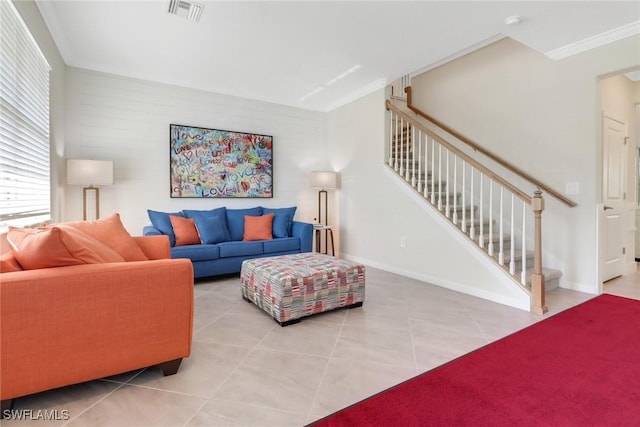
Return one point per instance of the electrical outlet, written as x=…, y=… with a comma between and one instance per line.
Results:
x=403, y=242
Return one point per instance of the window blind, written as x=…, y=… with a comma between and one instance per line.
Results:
x=24, y=124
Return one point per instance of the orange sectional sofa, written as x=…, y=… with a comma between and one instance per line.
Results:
x=70, y=324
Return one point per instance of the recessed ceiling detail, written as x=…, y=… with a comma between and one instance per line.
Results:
x=189, y=10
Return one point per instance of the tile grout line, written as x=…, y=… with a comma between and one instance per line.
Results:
x=326, y=367
x=233, y=371
x=413, y=341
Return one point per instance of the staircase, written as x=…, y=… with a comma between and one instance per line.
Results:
x=498, y=218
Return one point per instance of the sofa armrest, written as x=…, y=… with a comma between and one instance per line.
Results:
x=154, y=247
x=304, y=231
x=66, y=325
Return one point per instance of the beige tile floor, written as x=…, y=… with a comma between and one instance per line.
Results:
x=246, y=370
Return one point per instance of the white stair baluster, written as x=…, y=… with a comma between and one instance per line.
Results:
x=472, y=228
x=402, y=146
x=426, y=165
x=501, y=219
x=481, y=236
x=490, y=217
x=407, y=175
x=455, y=189
x=440, y=177
x=420, y=161
x=395, y=156
x=448, y=181
x=433, y=171
x=413, y=157
x=464, y=197
x=512, y=264
x=391, y=115
x=523, y=275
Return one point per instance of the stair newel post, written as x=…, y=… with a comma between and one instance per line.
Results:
x=538, y=305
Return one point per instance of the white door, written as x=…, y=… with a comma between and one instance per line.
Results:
x=614, y=159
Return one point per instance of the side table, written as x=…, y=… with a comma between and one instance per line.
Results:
x=328, y=232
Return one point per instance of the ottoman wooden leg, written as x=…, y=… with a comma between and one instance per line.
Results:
x=355, y=305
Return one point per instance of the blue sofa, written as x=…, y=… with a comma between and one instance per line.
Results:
x=222, y=249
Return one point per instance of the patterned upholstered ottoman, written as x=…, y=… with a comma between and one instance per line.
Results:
x=289, y=287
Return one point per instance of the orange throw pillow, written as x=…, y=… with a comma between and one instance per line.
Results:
x=185, y=230
x=111, y=233
x=47, y=247
x=9, y=263
x=258, y=227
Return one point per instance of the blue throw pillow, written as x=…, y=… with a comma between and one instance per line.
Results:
x=161, y=221
x=211, y=224
x=282, y=220
x=235, y=220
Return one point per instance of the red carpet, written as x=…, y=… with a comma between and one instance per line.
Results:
x=580, y=367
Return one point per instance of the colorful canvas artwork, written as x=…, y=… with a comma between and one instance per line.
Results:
x=220, y=164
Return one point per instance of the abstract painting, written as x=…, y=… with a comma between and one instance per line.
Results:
x=220, y=163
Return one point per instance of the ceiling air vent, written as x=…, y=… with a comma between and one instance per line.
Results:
x=186, y=9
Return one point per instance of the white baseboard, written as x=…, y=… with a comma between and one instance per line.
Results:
x=522, y=304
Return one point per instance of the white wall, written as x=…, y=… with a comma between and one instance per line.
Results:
x=127, y=120
x=543, y=116
x=375, y=213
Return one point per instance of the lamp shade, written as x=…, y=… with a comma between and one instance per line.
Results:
x=89, y=172
x=326, y=180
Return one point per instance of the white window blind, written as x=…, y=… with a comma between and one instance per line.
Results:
x=24, y=124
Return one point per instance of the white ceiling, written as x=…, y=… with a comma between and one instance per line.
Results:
x=309, y=54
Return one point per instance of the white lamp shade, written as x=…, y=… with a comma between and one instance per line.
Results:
x=326, y=180
x=89, y=172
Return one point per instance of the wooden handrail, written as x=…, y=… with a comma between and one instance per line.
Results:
x=471, y=161
x=488, y=153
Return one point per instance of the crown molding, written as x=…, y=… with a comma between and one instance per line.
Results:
x=459, y=54
x=595, y=41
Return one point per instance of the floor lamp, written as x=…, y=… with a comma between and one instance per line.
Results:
x=324, y=180
x=90, y=173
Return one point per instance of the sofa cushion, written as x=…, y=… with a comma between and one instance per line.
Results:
x=211, y=224
x=47, y=247
x=185, y=230
x=162, y=223
x=9, y=263
x=235, y=221
x=111, y=233
x=231, y=249
x=282, y=221
x=257, y=227
x=196, y=252
x=285, y=244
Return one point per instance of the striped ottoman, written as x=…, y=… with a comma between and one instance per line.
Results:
x=289, y=287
